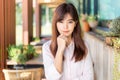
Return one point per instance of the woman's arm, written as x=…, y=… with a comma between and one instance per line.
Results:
x=51, y=72
x=59, y=61
x=53, y=66
x=61, y=42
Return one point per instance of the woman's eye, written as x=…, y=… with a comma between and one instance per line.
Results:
x=70, y=21
x=60, y=21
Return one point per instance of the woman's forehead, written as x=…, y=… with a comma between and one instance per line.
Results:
x=67, y=16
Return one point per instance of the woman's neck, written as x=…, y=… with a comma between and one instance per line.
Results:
x=69, y=39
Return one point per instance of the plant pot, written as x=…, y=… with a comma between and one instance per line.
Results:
x=93, y=24
x=24, y=66
x=85, y=26
x=29, y=56
x=109, y=40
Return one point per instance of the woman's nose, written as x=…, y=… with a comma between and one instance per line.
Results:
x=65, y=25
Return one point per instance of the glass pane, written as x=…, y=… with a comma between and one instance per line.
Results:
x=19, y=22
x=46, y=21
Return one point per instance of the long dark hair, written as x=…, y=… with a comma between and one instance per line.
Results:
x=59, y=13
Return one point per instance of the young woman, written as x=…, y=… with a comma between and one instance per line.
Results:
x=66, y=56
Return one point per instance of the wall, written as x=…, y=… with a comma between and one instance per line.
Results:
x=102, y=56
x=109, y=9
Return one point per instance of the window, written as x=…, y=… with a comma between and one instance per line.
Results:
x=46, y=21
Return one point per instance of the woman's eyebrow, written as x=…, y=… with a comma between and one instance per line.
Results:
x=70, y=20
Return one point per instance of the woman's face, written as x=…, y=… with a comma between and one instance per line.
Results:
x=66, y=26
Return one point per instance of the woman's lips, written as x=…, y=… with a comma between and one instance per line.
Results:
x=65, y=31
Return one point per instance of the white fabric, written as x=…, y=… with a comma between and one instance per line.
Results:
x=81, y=70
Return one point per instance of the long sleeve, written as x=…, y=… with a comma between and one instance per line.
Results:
x=48, y=60
x=82, y=70
x=88, y=72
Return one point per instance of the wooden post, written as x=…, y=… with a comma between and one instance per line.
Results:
x=2, y=26
x=7, y=30
x=27, y=21
x=38, y=19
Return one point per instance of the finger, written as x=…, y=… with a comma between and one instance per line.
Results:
x=64, y=37
x=61, y=35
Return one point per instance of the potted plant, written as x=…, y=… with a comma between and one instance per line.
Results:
x=116, y=66
x=116, y=42
x=35, y=41
x=84, y=23
x=21, y=53
x=92, y=20
x=115, y=26
x=114, y=32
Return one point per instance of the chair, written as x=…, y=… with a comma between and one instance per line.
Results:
x=24, y=74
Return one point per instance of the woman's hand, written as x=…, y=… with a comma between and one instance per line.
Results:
x=61, y=41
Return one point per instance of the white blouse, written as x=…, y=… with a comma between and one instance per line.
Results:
x=81, y=70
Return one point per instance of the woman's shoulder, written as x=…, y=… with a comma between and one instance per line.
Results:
x=47, y=44
x=46, y=48
x=86, y=44
x=87, y=47
x=89, y=55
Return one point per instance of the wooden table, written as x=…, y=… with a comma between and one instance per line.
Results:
x=38, y=61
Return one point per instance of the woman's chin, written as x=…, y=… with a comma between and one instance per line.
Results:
x=67, y=35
